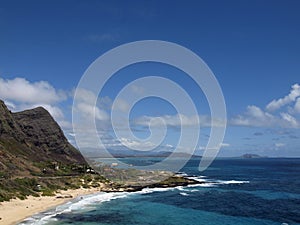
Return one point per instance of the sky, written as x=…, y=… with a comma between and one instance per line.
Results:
x=252, y=48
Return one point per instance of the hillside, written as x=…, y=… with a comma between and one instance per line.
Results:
x=30, y=141
x=36, y=158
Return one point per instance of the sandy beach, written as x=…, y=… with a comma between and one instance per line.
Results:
x=17, y=210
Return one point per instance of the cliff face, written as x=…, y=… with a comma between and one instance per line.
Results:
x=31, y=137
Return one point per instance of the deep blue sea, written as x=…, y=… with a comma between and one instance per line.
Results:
x=238, y=191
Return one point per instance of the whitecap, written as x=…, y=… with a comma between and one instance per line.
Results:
x=211, y=182
x=203, y=185
x=198, y=178
x=151, y=190
x=232, y=182
x=184, y=194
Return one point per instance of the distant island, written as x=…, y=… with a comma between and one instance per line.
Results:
x=252, y=156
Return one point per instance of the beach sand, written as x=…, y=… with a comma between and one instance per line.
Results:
x=17, y=210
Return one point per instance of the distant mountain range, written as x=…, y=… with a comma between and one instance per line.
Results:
x=32, y=138
x=128, y=153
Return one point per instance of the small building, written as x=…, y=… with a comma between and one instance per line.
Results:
x=55, y=165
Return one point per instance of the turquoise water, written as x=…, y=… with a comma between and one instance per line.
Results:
x=238, y=191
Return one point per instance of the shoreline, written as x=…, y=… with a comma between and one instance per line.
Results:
x=16, y=210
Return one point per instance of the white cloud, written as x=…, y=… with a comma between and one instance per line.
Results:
x=169, y=120
x=71, y=134
x=91, y=111
x=121, y=105
x=256, y=117
x=279, y=145
x=137, y=89
x=291, y=97
x=22, y=91
x=10, y=105
x=87, y=114
x=222, y=145
x=285, y=118
x=290, y=120
x=256, y=112
x=177, y=120
x=20, y=94
x=135, y=144
x=297, y=106
x=225, y=145
x=86, y=137
x=169, y=146
x=86, y=104
x=84, y=95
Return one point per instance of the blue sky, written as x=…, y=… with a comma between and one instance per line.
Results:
x=252, y=47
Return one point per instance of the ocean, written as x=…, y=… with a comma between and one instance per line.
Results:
x=236, y=192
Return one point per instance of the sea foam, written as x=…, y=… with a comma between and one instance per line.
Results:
x=89, y=202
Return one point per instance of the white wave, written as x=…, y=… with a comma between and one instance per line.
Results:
x=232, y=182
x=98, y=198
x=182, y=174
x=89, y=202
x=180, y=188
x=211, y=182
x=151, y=190
x=184, y=194
x=203, y=185
x=198, y=178
x=82, y=203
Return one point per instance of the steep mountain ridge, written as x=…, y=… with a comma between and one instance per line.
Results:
x=30, y=138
